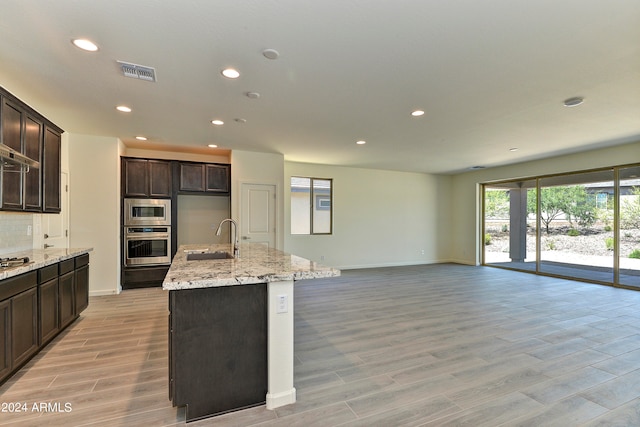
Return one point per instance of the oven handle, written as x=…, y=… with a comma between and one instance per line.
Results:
x=146, y=236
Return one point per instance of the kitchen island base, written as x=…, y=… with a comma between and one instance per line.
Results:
x=218, y=349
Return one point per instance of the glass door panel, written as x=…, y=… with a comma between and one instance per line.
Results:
x=629, y=259
x=510, y=225
x=576, y=225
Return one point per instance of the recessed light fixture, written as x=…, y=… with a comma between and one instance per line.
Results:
x=217, y=122
x=123, y=108
x=240, y=120
x=252, y=95
x=573, y=102
x=212, y=146
x=361, y=142
x=417, y=113
x=141, y=138
x=85, y=44
x=474, y=168
x=230, y=73
x=270, y=54
x=514, y=149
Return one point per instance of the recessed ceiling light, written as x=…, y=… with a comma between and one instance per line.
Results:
x=85, y=44
x=212, y=146
x=270, y=54
x=573, y=102
x=123, y=108
x=417, y=113
x=361, y=142
x=230, y=73
x=477, y=167
x=141, y=138
x=217, y=122
x=252, y=95
x=514, y=149
x=240, y=120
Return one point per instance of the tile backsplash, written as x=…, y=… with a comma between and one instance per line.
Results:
x=16, y=232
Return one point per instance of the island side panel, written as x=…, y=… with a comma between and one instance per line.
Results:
x=218, y=348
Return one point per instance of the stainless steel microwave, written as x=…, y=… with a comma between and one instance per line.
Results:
x=147, y=212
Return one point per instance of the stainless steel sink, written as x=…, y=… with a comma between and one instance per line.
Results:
x=199, y=256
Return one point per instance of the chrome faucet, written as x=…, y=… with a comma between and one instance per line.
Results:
x=236, y=248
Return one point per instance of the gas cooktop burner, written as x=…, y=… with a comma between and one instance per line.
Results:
x=13, y=262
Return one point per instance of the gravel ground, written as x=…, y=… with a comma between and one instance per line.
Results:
x=589, y=242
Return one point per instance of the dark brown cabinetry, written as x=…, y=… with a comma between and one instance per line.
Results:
x=204, y=177
x=218, y=348
x=28, y=133
x=146, y=178
x=36, y=306
x=51, y=170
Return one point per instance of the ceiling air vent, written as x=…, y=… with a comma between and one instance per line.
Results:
x=138, y=71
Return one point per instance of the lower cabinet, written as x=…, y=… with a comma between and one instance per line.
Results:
x=36, y=306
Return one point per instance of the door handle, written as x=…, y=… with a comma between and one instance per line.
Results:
x=246, y=238
x=48, y=246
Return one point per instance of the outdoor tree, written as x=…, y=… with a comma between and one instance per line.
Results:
x=630, y=210
x=496, y=203
x=572, y=202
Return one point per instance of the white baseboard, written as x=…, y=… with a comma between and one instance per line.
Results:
x=281, y=399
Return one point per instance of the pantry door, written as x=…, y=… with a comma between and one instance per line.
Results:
x=258, y=214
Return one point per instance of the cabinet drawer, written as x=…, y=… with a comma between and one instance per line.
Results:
x=15, y=285
x=66, y=266
x=47, y=273
x=81, y=260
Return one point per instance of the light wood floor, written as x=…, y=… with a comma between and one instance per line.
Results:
x=413, y=346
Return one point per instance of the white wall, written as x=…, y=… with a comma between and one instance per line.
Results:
x=466, y=190
x=380, y=218
x=94, y=207
x=258, y=168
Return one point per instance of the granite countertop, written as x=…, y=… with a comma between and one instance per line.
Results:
x=39, y=258
x=256, y=264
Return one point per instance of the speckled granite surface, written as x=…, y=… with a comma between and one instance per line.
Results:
x=256, y=264
x=40, y=258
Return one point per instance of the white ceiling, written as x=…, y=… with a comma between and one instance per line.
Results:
x=490, y=75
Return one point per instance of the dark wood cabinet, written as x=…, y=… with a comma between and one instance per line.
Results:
x=51, y=170
x=29, y=189
x=33, y=145
x=146, y=178
x=218, y=348
x=36, y=306
x=24, y=325
x=12, y=177
x=81, y=273
x=5, y=339
x=192, y=177
x=217, y=178
x=204, y=177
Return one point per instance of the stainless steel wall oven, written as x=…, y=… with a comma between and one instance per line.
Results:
x=147, y=232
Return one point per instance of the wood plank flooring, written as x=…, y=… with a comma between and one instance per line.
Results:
x=436, y=345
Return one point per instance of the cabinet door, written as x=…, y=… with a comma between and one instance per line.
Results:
x=66, y=303
x=82, y=288
x=33, y=132
x=5, y=338
x=159, y=178
x=24, y=325
x=12, y=178
x=192, y=177
x=136, y=178
x=48, y=308
x=218, y=178
x=51, y=171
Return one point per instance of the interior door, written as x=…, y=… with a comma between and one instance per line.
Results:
x=55, y=227
x=258, y=214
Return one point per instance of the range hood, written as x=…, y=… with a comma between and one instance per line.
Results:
x=10, y=156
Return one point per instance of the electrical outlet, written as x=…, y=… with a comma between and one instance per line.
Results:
x=29, y=230
x=283, y=304
x=423, y=252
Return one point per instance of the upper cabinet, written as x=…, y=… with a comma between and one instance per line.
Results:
x=204, y=177
x=28, y=133
x=146, y=178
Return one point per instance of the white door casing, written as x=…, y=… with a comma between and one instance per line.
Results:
x=55, y=227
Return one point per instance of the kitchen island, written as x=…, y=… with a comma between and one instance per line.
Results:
x=231, y=327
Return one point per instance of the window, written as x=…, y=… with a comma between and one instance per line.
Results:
x=311, y=205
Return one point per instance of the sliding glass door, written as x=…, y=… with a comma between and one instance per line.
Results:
x=629, y=253
x=579, y=225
